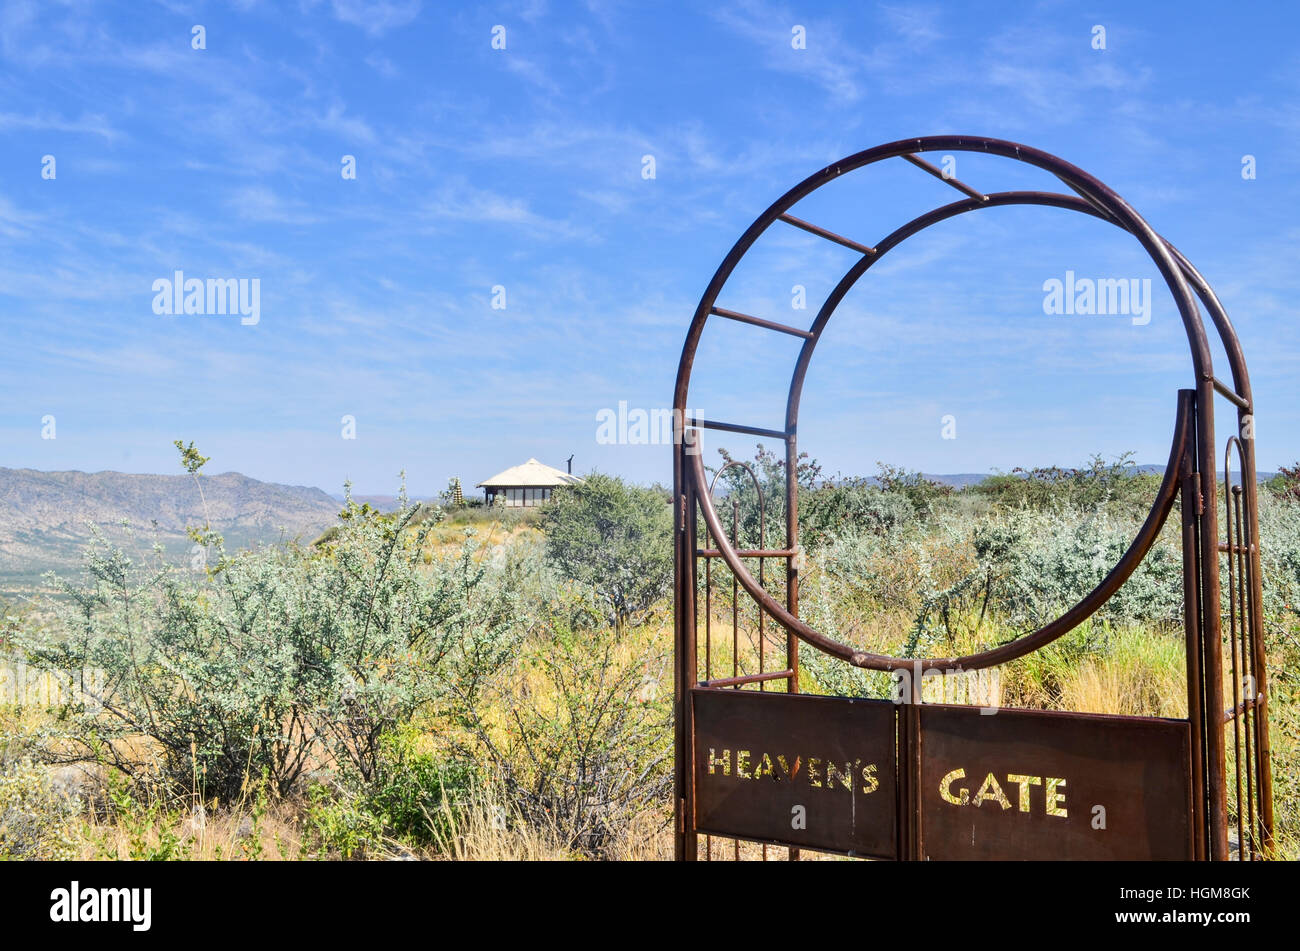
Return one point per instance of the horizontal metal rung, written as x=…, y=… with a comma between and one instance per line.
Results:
x=1236, y=549
x=1233, y=712
x=750, y=679
x=760, y=322
x=1231, y=394
x=738, y=428
x=828, y=235
x=747, y=553
x=938, y=173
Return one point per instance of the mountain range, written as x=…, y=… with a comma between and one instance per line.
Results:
x=47, y=517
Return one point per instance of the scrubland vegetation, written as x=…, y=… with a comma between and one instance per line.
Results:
x=466, y=682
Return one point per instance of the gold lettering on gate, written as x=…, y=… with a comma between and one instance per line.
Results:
x=817, y=772
x=991, y=789
x=1024, y=782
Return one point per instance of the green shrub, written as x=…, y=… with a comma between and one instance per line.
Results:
x=836, y=510
x=340, y=824
x=414, y=788
x=1117, y=485
x=1056, y=559
x=614, y=538
x=924, y=494
x=36, y=820
x=248, y=671
x=1286, y=484
x=579, y=733
x=739, y=488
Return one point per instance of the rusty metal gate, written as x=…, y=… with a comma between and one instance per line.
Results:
x=756, y=762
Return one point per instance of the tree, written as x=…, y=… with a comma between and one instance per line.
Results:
x=614, y=537
x=769, y=469
x=1286, y=484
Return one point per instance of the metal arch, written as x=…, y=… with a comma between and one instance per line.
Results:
x=1095, y=192
x=1204, y=293
x=1189, y=477
x=1097, y=200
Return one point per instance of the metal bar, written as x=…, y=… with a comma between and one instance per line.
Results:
x=1246, y=704
x=903, y=817
x=1226, y=391
x=938, y=173
x=708, y=613
x=828, y=235
x=762, y=583
x=762, y=636
x=748, y=679
x=760, y=322
x=708, y=656
x=735, y=595
x=1225, y=548
x=746, y=553
x=1232, y=640
x=739, y=428
x=1212, y=634
x=685, y=670
x=791, y=569
x=1245, y=644
x=1091, y=199
x=915, y=847
x=1192, y=624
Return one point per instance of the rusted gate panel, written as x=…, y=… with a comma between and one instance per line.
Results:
x=788, y=769
x=1033, y=784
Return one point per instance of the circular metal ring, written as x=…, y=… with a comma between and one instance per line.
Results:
x=1091, y=197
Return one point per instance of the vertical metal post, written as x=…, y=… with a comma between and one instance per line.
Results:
x=684, y=670
x=1212, y=626
x=911, y=843
x=791, y=568
x=1249, y=715
x=1234, y=601
x=1190, y=505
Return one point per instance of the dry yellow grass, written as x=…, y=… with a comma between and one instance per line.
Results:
x=238, y=834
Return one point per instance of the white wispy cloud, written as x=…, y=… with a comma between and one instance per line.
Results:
x=87, y=124
x=376, y=17
x=259, y=203
x=464, y=202
x=828, y=60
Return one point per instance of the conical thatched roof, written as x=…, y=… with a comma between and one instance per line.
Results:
x=531, y=473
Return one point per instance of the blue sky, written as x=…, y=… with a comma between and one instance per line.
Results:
x=523, y=168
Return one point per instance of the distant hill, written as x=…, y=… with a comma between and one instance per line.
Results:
x=385, y=503
x=45, y=517
x=960, y=480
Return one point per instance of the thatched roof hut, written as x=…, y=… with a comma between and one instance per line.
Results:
x=527, y=484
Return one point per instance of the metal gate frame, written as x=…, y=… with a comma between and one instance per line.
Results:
x=1189, y=476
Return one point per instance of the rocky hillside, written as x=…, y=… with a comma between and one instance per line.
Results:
x=46, y=517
